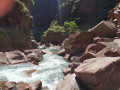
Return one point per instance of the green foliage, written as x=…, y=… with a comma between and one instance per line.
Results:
x=63, y=4
x=67, y=2
x=76, y=19
x=68, y=27
x=33, y=2
x=25, y=9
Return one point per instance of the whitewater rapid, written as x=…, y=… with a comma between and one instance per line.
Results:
x=49, y=71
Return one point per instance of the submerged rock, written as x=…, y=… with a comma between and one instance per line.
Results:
x=29, y=72
x=35, y=62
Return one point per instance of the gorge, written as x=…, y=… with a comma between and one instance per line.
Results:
x=60, y=45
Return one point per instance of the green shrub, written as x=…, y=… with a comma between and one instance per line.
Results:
x=68, y=27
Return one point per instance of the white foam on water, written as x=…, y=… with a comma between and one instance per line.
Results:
x=49, y=71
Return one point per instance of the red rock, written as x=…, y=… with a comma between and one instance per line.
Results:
x=34, y=54
x=29, y=72
x=44, y=46
x=55, y=38
x=118, y=34
x=66, y=57
x=21, y=86
x=2, y=85
x=58, y=47
x=96, y=40
x=15, y=57
x=34, y=44
x=51, y=45
x=62, y=52
x=104, y=29
x=95, y=48
x=46, y=52
x=10, y=85
x=37, y=85
x=100, y=73
x=112, y=50
x=66, y=70
x=112, y=54
x=68, y=83
x=78, y=42
x=18, y=34
x=35, y=63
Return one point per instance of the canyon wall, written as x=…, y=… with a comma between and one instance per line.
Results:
x=90, y=12
x=15, y=28
x=44, y=11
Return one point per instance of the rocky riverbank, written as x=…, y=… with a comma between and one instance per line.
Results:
x=97, y=68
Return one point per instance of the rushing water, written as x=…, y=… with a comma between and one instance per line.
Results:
x=49, y=71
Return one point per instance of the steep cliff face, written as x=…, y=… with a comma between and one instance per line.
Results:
x=44, y=11
x=90, y=12
x=15, y=31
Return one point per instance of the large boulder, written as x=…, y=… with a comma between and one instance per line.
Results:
x=15, y=57
x=21, y=86
x=112, y=50
x=68, y=83
x=34, y=54
x=100, y=73
x=94, y=48
x=78, y=42
x=36, y=85
x=104, y=29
